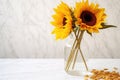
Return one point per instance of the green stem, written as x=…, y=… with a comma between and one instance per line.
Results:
x=77, y=47
x=83, y=59
x=82, y=53
x=70, y=56
x=74, y=52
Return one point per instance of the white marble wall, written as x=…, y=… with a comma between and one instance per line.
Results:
x=25, y=30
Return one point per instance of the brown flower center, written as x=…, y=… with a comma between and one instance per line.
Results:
x=88, y=18
x=64, y=21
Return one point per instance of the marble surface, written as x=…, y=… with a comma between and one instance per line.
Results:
x=25, y=30
x=46, y=69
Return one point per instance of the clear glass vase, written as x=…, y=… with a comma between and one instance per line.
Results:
x=75, y=63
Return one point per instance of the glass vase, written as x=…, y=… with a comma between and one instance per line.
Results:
x=75, y=63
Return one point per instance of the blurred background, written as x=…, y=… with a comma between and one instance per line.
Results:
x=25, y=30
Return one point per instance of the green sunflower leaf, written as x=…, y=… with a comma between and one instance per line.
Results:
x=104, y=26
x=75, y=29
x=89, y=33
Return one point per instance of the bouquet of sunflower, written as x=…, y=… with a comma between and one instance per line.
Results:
x=85, y=17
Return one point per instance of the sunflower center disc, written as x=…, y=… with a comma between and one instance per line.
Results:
x=88, y=18
x=64, y=21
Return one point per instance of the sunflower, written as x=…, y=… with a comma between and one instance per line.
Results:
x=89, y=16
x=62, y=21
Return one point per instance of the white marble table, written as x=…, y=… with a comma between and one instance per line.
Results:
x=45, y=69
